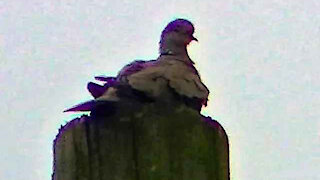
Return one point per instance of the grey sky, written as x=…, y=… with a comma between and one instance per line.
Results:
x=259, y=59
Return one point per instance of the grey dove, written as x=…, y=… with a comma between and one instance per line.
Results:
x=172, y=73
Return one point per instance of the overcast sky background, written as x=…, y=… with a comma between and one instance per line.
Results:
x=260, y=59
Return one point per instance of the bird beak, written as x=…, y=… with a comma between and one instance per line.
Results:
x=193, y=38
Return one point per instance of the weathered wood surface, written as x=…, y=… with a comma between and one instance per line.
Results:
x=171, y=143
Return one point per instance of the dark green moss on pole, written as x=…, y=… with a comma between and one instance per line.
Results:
x=142, y=143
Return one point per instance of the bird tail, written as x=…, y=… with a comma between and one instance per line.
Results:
x=86, y=106
x=96, y=90
x=105, y=79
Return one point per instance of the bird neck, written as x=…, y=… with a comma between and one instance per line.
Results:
x=179, y=51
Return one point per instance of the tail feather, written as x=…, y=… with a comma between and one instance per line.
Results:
x=86, y=106
x=105, y=79
x=96, y=90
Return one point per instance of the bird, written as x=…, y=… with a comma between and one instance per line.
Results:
x=173, y=73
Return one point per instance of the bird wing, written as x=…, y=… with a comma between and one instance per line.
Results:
x=178, y=75
x=150, y=77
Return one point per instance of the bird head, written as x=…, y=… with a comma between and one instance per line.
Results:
x=178, y=33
